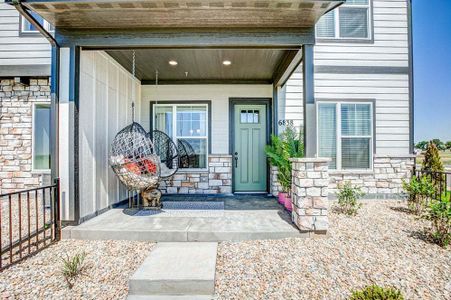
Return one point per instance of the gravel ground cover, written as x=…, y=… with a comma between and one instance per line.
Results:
x=109, y=265
x=381, y=245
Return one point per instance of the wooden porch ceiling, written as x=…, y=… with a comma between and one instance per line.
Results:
x=206, y=65
x=78, y=14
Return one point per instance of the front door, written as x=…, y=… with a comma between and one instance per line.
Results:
x=249, y=159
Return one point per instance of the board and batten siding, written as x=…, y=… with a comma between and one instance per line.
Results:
x=106, y=93
x=20, y=50
x=389, y=91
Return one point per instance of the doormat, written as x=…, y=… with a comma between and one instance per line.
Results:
x=182, y=209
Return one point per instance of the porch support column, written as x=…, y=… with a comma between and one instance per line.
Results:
x=309, y=194
x=309, y=101
x=68, y=133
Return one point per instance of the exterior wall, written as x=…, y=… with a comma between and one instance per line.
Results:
x=274, y=185
x=218, y=177
x=217, y=180
x=21, y=54
x=347, y=71
x=384, y=181
x=16, y=107
x=218, y=95
x=105, y=108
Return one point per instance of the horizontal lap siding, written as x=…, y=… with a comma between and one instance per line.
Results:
x=389, y=91
x=16, y=49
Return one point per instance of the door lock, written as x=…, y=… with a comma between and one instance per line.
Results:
x=236, y=159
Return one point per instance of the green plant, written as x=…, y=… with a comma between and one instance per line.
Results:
x=433, y=165
x=375, y=292
x=419, y=191
x=439, y=213
x=422, y=145
x=73, y=267
x=347, y=198
x=288, y=145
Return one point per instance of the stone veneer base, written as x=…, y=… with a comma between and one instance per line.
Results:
x=217, y=179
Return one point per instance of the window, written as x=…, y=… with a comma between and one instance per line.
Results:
x=27, y=27
x=249, y=116
x=41, y=137
x=345, y=134
x=349, y=21
x=187, y=125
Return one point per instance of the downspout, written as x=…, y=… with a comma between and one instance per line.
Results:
x=54, y=84
x=411, y=79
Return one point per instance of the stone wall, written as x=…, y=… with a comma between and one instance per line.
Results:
x=16, y=105
x=310, y=194
x=274, y=185
x=216, y=180
x=384, y=181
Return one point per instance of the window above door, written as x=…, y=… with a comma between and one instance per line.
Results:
x=350, y=22
x=27, y=28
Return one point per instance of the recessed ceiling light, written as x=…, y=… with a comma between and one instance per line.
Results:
x=173, y=63
x=226, y=62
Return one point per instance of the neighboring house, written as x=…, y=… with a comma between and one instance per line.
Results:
x=222, y=92
x=24, y=103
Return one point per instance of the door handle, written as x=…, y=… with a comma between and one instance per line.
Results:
x=236, y=159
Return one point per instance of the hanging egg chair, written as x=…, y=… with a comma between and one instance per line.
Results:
x=167, y=153
x=134, y=160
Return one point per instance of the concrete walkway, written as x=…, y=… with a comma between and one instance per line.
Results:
x=220, y=219
x=176, y=271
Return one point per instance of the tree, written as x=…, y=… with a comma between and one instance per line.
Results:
x=422, y=145
x=448, y=145
x=440, y=145
x=433, y=165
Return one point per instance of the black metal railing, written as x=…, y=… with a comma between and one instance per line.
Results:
x=29, y=222
x=440, y=180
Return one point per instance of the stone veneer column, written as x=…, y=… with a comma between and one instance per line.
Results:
x=310, y=194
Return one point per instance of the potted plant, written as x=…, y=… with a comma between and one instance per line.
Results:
x=288, y=145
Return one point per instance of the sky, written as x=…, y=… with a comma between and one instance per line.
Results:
x=432, y=69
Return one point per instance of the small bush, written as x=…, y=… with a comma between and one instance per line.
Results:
x=439, y=213
x=347, y=198
x=375, y=292
x=419, y=191
x=432, y=163
x=72, y=267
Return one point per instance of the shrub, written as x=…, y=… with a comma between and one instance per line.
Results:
x=433, y=164
x=419, y=191
x=375, y=292
x=288, y=145
x=439, y=213
x=347, y=198
x=72, y=267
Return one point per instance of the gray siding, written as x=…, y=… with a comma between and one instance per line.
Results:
x=390, y=91
x=19, y=53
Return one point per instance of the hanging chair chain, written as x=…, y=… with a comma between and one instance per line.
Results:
x=133, y=72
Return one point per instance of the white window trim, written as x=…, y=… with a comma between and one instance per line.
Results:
x=46, y=26
x=339, y=136
x=336, y=13
x=33, y=115
x=174, y=130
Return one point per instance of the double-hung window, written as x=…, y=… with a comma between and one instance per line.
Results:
x=41, y=137
x=27, y=27
x=349, y=21
x=345, y=134
x=187, y=125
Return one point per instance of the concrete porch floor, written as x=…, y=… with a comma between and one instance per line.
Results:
x=240, y=217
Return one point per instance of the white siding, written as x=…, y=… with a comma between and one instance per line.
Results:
x=389, y=91
x=105, y=108
x=16, y=49
x=218, y=95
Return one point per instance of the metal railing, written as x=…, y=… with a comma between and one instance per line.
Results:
x=29, y=222
x=441, y=180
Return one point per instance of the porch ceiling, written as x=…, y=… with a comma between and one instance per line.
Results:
x=205, y=65
x=181, y=13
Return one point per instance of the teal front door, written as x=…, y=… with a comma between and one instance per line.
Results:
x=249, y=158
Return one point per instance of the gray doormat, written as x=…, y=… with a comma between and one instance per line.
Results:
x=182, y=209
